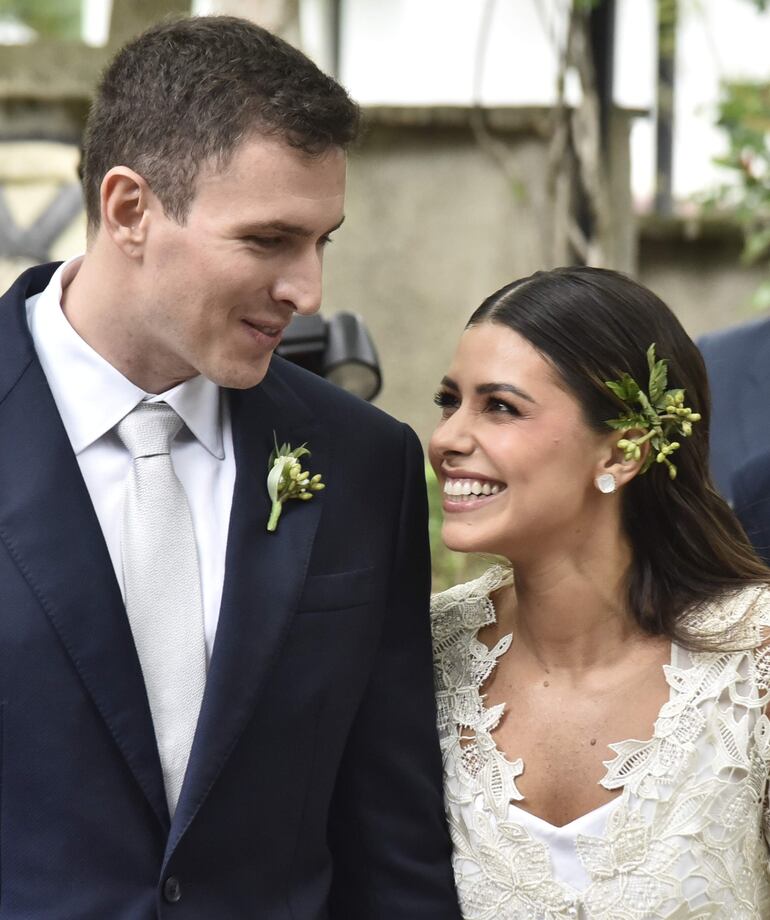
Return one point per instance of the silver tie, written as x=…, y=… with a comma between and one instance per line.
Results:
x=161, y=579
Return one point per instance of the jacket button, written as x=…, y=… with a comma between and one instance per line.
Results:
x=172, y=890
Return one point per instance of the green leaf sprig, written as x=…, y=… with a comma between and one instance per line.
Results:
x=286, y=479
x=660, y=414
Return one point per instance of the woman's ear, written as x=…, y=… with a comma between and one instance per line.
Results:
x=125, y=199
x=614, y=470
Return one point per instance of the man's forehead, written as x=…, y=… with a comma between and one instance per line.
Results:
x=269, y=183
x=272, y=152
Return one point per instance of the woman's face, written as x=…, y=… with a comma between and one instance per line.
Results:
x=512, y=451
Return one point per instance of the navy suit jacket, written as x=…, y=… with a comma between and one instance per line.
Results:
x=314, y=784
x=751, y=500
x=738, y=365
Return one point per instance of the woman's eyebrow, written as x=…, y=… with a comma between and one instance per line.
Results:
x=484, y=388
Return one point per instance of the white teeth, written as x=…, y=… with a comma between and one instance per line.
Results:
x=470, y=488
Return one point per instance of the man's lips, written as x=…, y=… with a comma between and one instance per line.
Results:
x=265, y=331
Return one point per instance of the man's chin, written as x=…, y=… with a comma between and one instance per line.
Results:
x=242, y=376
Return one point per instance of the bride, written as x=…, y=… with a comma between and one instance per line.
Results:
x=602, y=697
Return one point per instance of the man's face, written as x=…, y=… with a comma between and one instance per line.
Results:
x=219, y=290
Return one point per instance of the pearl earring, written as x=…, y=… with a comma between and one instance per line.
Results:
x=606, y=483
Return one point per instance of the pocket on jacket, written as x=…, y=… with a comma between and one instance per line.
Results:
x=336, y=591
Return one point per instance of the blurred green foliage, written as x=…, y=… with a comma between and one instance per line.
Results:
x=744, y=116
x=448, y=568
x=49, y=18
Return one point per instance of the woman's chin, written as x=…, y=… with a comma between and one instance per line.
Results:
x=463, y=542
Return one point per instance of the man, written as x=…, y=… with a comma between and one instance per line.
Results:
x=738, y=364
x=199, y=718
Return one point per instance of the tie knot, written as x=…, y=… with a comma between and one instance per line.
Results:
x=149, y=429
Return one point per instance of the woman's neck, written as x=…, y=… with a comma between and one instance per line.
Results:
x=570, y=609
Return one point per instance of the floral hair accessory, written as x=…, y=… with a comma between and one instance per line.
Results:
x=286, y=479
x=659, y=413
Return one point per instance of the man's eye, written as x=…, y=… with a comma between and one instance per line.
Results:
x=325, y=240
x=265, y=242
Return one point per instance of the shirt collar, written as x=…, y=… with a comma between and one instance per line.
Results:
x=91, y=395
x=198, y=403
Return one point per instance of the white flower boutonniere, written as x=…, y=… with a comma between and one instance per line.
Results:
x=286, y=479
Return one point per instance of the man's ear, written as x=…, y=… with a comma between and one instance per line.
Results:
x=614, y=460
x=125, y=204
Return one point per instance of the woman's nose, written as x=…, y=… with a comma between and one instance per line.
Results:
x=452, y=435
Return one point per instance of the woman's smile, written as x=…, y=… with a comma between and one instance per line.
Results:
x=469, y=493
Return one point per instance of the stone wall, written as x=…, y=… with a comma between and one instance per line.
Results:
x=696, y=267
x=435, y=224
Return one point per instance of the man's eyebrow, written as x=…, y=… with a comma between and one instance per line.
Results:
x=484, y=388
x=281, y=226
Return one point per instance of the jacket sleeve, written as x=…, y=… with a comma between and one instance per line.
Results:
x=388, y=836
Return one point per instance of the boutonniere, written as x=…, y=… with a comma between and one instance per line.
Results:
x=286, y=479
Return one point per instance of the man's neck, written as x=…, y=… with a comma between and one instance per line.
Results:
x=101, y=303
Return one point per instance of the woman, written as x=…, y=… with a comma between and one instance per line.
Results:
x=639, y=612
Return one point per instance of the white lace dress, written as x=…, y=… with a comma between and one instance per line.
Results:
x=687, y=837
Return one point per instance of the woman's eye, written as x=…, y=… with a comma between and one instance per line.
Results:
x=446, y=401
x=499, y=406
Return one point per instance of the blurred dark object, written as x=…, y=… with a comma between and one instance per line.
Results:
x=339, y=349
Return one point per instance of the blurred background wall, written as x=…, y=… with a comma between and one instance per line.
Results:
x=502, y=136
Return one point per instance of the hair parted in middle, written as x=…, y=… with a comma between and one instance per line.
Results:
x=188, y=91
x=594, y=325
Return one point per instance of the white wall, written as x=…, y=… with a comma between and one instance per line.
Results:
x=422, y=52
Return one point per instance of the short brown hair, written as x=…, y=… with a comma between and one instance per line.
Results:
x=190, y=90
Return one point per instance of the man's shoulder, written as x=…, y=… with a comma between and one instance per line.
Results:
x=31, y=282
x=735, y=341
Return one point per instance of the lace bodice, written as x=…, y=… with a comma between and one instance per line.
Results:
x=687, y=838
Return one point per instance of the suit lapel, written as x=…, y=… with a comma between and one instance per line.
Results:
x=264, y=577
x=49, y=527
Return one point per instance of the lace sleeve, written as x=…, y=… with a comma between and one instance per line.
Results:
x=760, y=613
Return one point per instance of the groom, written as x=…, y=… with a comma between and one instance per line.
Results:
x=200, y=719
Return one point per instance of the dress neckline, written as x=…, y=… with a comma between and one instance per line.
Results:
x=571, y=828
x=490, y=717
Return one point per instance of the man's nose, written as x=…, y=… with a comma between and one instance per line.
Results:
x=299, y=284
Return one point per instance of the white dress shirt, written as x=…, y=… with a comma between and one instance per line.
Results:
x=92, y=397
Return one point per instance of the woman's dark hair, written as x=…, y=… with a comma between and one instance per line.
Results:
x=592, y=325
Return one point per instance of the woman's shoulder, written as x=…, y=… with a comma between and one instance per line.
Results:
x=469, y=604
x=737, y=620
